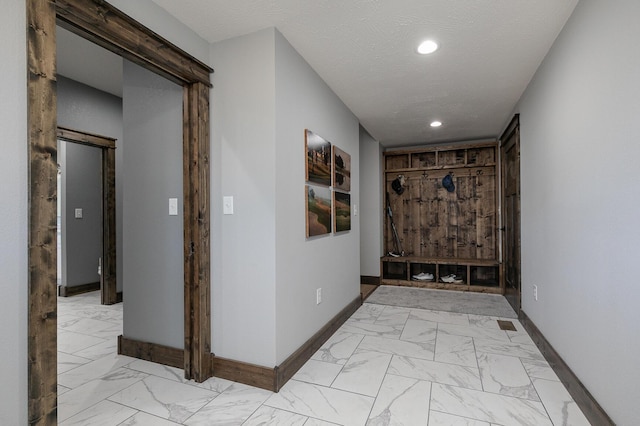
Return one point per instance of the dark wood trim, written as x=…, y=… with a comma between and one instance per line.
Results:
x=107, y=145
x=107, y=26
x=581, y=395
x=119, y=297
x=68, y=291
x=197, y=298
x=153, y=352
x=42, y=158
x=97, y=21
x=242, y=372
x=367, y=279
x=291, y=365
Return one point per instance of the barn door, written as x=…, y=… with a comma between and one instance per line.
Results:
x=510, y=155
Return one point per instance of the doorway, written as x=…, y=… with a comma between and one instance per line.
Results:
x=510, y=155
x=108, y=27
x=107, y=266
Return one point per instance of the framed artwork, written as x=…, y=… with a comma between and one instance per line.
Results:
x=341, y=170
x=342, y=214
x=318, y=210
x=318, y=150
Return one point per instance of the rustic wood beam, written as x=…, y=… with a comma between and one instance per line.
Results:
x=105, y=25
x=43, y=172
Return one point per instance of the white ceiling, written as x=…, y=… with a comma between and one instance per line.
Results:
x=365, y=51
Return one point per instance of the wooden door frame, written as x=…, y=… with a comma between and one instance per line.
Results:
x=107, y=146
x=512, y=130
x=103, y=24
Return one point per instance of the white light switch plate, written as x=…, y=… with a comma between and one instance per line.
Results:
x=227, y=204
x=173, y=207
x=78, y=213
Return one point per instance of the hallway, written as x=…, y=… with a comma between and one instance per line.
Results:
x=386, y=365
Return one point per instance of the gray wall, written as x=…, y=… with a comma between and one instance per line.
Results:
x=13, y=226
x=303, y=100
x=152, y=240
x=86, y=109
x=81, y=187
x=263, y=279
x=580, y=201
x=371, y=209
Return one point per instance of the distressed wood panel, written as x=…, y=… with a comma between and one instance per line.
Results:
x=109, y=287
x=43, y=171
x=103, y=24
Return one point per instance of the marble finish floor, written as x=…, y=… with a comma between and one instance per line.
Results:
x=387, y=365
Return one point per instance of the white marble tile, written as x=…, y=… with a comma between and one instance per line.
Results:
x=520, y=337
x=215, y=384
x=363, y=373
x=83, y=397
x=401, y=401
x=83, y=325
x=485, y=321
x=104, y=413
x=419, y=331
x=319, y=402
x=232, y=407
x=561, y=407
x=505, y=375
x=106, y=348
x=458, y=375
x=316, y=422
x=111, y=332
x=507, y=348
x=71, y=342
x=398, y=347
x=68, y=362
x=164, y=398
x=144, y=419
x=62, y=389
x=93, y=370
x=338, y=348
x=439, y=316
x=318, y=372
x=437, y=418
x=453, y=349
x=469, y=331
x=273, y=416
x=355, y=327
x=393, y=316
x=488, y=407
x=539, y=369
x=368, y=312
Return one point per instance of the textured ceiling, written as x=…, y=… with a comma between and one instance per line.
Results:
x=365, y=51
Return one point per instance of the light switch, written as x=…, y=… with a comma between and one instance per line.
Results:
x=355, y=210
x=227, y=204
x=173, y=207
x=78, y=213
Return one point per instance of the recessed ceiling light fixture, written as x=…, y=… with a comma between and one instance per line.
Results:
x=427, y=46
x=436, y=123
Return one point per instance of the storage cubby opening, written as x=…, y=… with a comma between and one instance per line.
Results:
x=400, y=161
x=460, y=271
x=394, y=270
x=487, y=276
x=419, y=271
x=423, y=160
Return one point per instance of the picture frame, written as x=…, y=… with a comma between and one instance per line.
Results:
x=342, y=211
x=318, y=210
x=341, y=170
x=319, y=164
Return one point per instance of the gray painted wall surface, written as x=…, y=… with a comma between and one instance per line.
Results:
x=152, y=241
x=84, y=108
x=264, y=272
x=371, y=210
x=13, y=226
x=243, y=166
x=580, y=201
x=303, y=100
x=81, y=187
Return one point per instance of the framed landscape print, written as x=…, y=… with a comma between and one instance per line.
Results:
x=318, y=210
x=342, y=214
x=318, y=165
x=341, y=170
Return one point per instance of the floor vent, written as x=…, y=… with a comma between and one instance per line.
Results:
x=506, y=325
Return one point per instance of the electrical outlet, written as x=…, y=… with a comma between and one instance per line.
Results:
x=318, y=296
x=535, y=293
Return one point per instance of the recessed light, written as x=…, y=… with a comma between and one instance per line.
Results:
x=428, y=46
x=436, y=123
